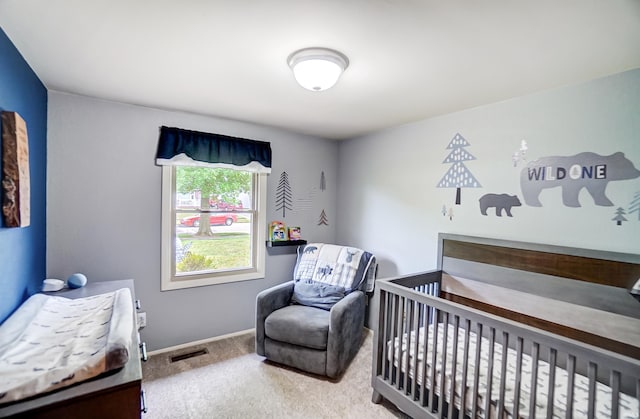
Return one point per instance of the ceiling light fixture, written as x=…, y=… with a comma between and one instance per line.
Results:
x=317, y=69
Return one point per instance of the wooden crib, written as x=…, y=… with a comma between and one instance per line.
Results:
x=507, y=329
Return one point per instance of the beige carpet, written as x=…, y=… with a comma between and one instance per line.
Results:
x=232, y=381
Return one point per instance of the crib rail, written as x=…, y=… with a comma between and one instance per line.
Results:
x=493, y=367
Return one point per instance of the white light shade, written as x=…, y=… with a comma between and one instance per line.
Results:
x=317, y=69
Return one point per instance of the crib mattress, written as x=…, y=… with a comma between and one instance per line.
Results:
x=629, y=406
x=52, y=342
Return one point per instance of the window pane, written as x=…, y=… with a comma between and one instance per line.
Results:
x=228, y=246
x=213, y=220
x=220, y=189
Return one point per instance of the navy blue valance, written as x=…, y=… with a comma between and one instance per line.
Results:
x=180, y=147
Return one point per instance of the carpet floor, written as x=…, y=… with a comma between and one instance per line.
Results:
x=231, y=381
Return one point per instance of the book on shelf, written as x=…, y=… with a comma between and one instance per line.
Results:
x=278, y=231
x=294, y=233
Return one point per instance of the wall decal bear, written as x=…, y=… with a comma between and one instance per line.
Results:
x=500, y=202
x=573, y=173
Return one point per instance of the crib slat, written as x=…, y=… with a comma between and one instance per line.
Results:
x=492, y=343
x=406, y=319
x=476, y=375
x=518, y=383
x=503, y=373
x=465, y=368
x=394, y=335
x=401, y=346
x=454, y=365
x=443, y=364
x=409, y=306
x=424, y=395
x=417, y=312
x=386, y=335
x=571, y=371
x=638, y=394
x=592, y=373
x=615, y=393
x=434, y=291
x=392, y=324
x=534, y=378
x=432, y=375
x=552, y=381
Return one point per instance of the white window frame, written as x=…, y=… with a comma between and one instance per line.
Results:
x=169, y=280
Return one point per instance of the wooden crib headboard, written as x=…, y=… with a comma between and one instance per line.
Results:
x=579, y=293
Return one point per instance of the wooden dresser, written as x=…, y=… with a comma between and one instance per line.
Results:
x=115, y=395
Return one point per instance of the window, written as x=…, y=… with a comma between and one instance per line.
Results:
x=213, y=226
x=213, y=207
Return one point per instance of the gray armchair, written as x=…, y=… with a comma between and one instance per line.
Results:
x=315, y=322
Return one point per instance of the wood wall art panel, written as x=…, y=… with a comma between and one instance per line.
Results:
x=15, y=170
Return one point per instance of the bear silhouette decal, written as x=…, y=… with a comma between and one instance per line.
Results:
x=573, y=173
x=500, y=202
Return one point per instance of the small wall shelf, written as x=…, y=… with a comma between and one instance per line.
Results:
x=286, y=243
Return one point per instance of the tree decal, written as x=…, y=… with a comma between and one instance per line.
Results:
x=619, y=218
x=323, y=219
x=283, y=194
x=521, y=154
x=458, y=176
x=635, y=204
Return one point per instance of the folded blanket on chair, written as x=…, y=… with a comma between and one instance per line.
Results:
x=340, y=266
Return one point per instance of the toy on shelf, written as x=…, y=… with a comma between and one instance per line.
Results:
x=294, y=233
x=277, y=231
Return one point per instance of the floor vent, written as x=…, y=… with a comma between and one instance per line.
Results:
x=189, y=355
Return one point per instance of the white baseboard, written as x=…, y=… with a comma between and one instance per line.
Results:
x=203, y=341
x=199, y=342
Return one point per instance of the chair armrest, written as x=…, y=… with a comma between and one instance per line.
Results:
x=345, y=332
x=267, y=302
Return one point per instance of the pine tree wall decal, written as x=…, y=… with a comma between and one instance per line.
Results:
x=619, y=218
x=635, y=204
x=283, y=194
x=458, y=176
x=323, y=219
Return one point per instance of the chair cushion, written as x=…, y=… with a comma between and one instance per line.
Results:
x=299, y=325
x=316, y=294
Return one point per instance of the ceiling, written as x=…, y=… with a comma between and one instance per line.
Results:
x=409, y=59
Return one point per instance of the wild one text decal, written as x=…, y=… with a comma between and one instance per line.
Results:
x=573, y=173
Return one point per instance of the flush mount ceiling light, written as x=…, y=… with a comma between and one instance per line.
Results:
x=317, y=69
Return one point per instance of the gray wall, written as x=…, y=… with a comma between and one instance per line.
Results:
x=389, y=204
x=103, y=209
x=104, y=192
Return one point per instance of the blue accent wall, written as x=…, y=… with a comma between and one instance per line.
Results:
x=22, y=250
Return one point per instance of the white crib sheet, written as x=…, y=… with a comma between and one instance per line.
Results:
x=52, y=342
x=629, y=406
